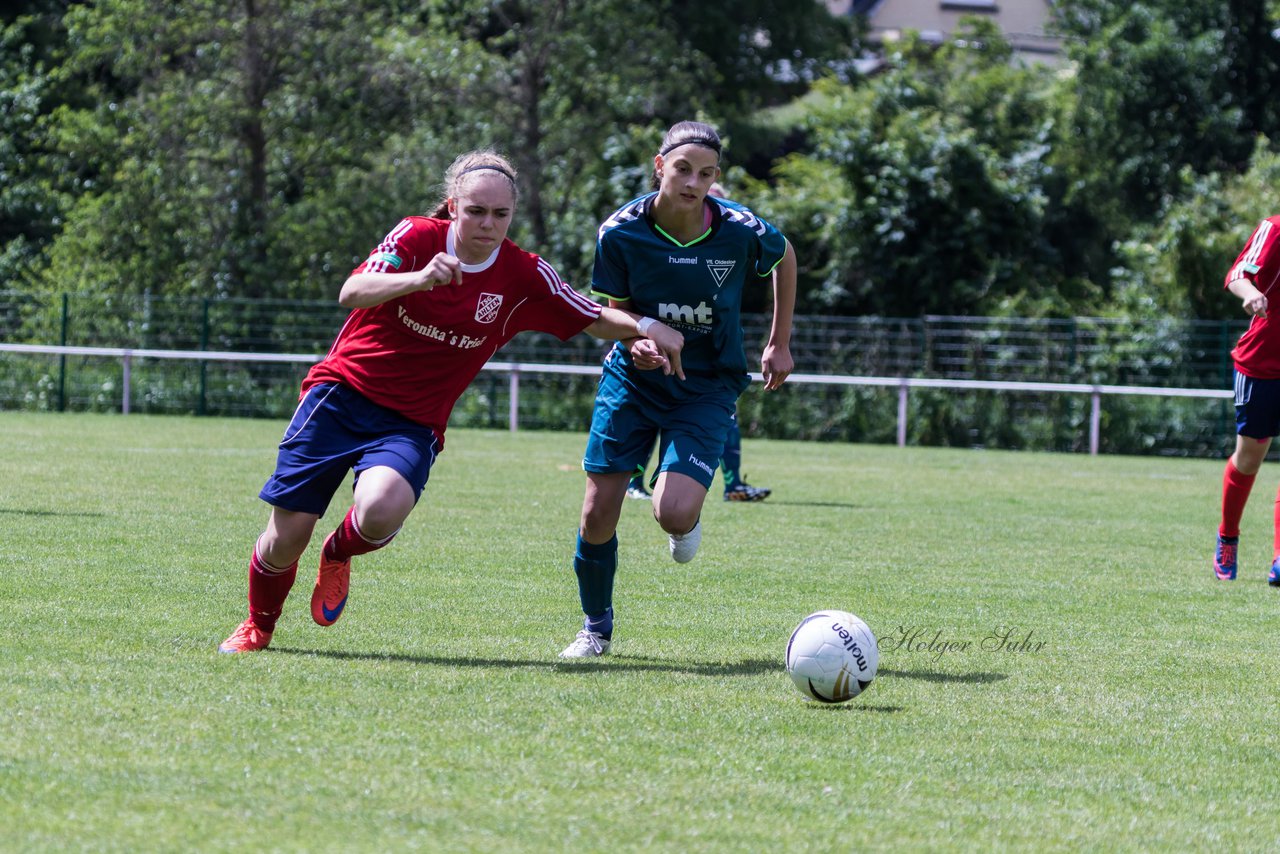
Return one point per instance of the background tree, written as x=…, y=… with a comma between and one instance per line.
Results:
x=583, y=89
x=220, y=167
x=920, y=195
x=252, y=148
x=33, y=191
x=1160, y=94
x=1174, y=266
x=1148, y=102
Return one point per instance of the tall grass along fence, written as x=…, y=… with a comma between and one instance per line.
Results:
x=1097, y=384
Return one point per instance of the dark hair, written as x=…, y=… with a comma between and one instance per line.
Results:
x=471, y=163
x=688, y=133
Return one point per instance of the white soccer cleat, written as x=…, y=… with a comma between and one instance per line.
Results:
x=587, y=644
x=685, y=546
x=639, y=493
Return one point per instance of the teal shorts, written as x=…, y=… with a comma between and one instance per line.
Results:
x=626, y=421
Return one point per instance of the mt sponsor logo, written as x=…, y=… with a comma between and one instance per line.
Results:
x=690, y=315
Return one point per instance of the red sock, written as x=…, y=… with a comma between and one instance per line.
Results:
x=1235, y=492
x=268, y=588
x=347, y=541
x=1276, y=542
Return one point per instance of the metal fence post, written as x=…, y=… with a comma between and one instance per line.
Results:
x=513, y=398
x=62, y=359
x=1095, y=420
x=204, y=366
x=903, y=388
x=126, y=381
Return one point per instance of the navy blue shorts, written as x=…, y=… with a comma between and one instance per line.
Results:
x=690, y=434
x=336, y=430
x=1257, y=407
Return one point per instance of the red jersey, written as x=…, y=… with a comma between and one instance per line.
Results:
x=1257, y=353
x=416, y=354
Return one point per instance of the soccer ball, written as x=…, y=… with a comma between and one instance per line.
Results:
x=832, y=656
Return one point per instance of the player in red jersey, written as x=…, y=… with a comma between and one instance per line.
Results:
x=431, y=304
x=1257, y=392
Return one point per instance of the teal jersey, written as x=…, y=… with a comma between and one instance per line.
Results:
x=695, y=288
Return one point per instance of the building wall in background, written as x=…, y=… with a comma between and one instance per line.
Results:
x=1024, y=22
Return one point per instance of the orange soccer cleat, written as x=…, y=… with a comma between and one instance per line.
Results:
x=332, y=583
x=246, y=638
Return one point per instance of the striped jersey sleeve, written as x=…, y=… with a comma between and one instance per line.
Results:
x=392, y=254
x=1257, y=353
x=558, y=289
x=551, y=306
x=1259, y=261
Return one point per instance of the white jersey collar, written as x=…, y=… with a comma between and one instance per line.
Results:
x=450, y=246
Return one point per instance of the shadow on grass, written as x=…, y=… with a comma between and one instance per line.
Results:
x=933, y=676
x=615, y=663
x=851, y=707
x=748, y=667
x=21, y=512
x=843, y=505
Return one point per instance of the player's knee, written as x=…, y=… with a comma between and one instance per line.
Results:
x=676, y=520
x=282, y=548
x=383, y=500
x=382, y=517
x=598, y=525
x=1249, y=456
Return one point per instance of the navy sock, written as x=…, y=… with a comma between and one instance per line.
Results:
x=602, y=623
x=595, y=565
x=731, y=459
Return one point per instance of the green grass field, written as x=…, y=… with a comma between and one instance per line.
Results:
x=1131, y=704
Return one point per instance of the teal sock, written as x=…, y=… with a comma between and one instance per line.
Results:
x=730, y=476
x=731, y=459
x=595, y=565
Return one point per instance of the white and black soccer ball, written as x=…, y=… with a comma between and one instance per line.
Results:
x=832, y=656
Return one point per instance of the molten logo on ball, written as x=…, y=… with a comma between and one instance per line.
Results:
x=832, y=656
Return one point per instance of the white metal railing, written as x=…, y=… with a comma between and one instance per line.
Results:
x=515, y=369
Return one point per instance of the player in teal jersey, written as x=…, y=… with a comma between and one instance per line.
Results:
x=681, y=257
x=736, y=487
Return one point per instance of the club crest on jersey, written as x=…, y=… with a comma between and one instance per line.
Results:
x=487, y=308
x=720, y=270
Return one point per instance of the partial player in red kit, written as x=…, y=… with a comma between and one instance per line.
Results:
x=1252, y=278
x=431, y=304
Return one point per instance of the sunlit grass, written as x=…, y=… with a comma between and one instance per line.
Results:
x=1058, y=668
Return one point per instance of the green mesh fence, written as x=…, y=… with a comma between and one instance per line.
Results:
x=1172, y=353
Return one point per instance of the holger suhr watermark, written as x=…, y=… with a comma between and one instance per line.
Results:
x=935, y=642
